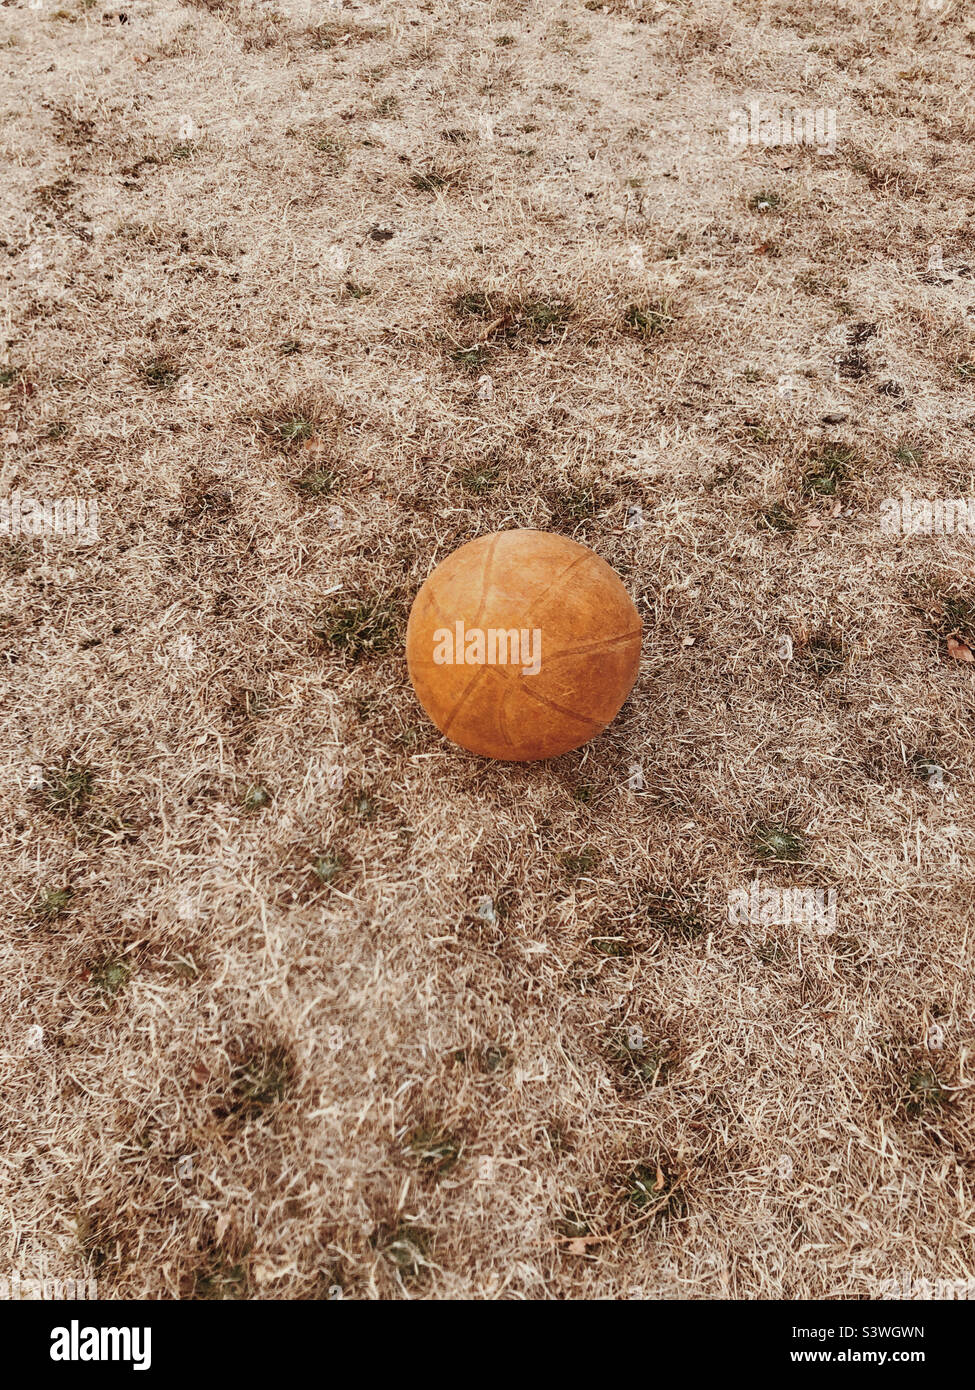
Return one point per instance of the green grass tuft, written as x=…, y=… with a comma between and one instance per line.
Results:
x=111, y=976
x=649, y=320
x=777, y=518
x=260, y=1079
x=161, y=373
x=435, y=1150
x=579, y=864
x=317, y=482
x=359, y=630
x=829, y=466
x=775, y=842
x=256, y=798
x=292, y=429
x=924, y=1093
x=327, y=866
x=479, y=478
x=52, y=903
x=68, y=788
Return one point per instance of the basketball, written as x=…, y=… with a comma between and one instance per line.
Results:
x=522, y=645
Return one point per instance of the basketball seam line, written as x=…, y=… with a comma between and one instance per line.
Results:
x=603, y=644
x=513, y=683
x=538, y=606
x=502, y=722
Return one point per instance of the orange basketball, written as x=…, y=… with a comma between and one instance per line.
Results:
x=522, y=645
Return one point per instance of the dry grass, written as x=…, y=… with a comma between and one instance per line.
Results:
x=428, y=1027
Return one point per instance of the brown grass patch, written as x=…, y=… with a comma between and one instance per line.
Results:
x=297, y=997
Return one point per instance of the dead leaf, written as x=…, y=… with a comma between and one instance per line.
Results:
x=661, y=1180
x=199, y=1073
x=961, y=651
x=141, y=58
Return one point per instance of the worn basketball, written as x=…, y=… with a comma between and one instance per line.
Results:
x=522, y=645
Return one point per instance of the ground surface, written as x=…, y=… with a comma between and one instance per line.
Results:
x=297, y=997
